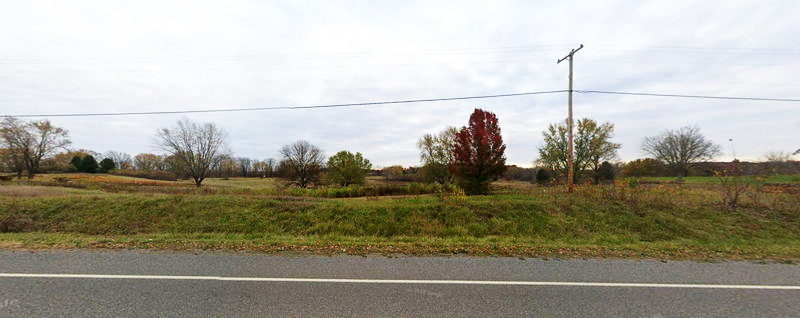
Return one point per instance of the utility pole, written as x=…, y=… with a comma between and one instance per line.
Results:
x=570, y=159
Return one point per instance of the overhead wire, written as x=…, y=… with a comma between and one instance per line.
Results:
x=406, y=102
x=688, y=96
x=289, y=107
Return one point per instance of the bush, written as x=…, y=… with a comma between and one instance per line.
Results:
x=89, y=164
x=106, y=165
x=76, y=163
x=147, y=174
x=607, y=172
x=544, y=176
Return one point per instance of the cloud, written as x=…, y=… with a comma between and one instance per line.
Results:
x=109, y=56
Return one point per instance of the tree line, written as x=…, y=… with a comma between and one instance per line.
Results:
x=471, y=156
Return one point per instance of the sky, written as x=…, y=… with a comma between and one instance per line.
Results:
x=60, y=57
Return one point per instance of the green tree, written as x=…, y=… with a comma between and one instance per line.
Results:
x=606, y=172
x=106, y=165
x=436, y=154
x=346, y=168
x=592, y=146
x=62, y=161
x=77, y=163
x=89, y=164
x=543, y=176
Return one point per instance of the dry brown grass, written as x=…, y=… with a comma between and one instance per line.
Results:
x=28, y=191
x=107, y=178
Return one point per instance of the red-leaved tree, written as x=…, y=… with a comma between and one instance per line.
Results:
x=478, y=153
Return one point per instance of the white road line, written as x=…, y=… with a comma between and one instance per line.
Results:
x=398, y=281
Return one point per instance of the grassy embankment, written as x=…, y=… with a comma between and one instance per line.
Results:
x=659, y=221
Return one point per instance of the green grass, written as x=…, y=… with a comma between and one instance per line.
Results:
x=621, y=221
x=409, y=245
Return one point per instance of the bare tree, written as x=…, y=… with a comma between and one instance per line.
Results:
x=270, y=167
x=265, y=168
x=245, y=166
x=777, y=156
x=304, y=162
x=30, y=142
x=121, y=159
x=195, y=146
x=225, y=167
x=10, y=161
x=680, y=148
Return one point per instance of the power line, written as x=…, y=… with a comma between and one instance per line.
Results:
x=502, y=49
x=704, y=48
x=261, y=94
x=689, y=96
x=408, y=101
x=332, y=66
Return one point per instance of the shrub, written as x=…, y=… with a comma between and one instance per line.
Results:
x=106, y=165
x=89, y=164
x=15, y=220
x=76, y=163
x=544, y=176
x=607, y=172
x=733, y=185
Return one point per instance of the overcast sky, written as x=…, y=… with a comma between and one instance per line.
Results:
x=112, y=56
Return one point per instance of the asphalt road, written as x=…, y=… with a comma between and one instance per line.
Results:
x=226, y=284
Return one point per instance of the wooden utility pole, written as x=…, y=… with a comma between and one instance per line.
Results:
x=570, y=159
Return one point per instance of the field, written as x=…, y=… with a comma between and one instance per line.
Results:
x=625, y=219
x=795, y=179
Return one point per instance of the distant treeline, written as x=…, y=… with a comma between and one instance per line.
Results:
x=470, y=156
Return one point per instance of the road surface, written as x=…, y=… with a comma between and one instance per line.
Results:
x=181, y=284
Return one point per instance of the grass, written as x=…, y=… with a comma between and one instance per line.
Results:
x=671, y=221
x=786, y=179
x=408, y=245
x=228, y=186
